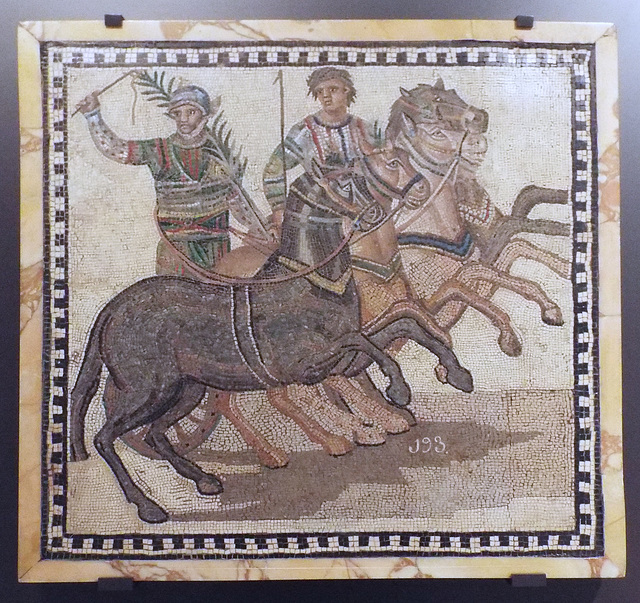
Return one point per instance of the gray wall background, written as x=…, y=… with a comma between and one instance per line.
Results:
x=624, y=13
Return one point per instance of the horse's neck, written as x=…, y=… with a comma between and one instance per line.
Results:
x=469, y=191
x=440, y=217
x=381, y=246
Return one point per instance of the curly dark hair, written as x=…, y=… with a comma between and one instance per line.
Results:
x=331, y=73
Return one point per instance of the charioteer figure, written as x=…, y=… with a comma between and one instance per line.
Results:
x=194, y=187
x=331, y=137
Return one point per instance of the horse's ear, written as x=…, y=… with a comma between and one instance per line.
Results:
x=408, y=125
x=439, y=84
x=405, y=92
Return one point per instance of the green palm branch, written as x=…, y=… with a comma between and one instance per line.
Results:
x=154, y=88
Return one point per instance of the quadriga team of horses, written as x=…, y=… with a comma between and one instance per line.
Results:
x=436, y=259
x=424, y=246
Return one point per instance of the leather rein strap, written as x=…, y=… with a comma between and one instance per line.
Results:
x=216, y=278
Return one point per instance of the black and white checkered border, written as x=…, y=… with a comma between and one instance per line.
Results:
x=585, y=540
x=332, y=545
x=313, y=54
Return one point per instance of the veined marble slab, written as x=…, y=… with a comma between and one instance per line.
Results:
x=533, y=478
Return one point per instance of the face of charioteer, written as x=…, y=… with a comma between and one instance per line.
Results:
x=333, y=95
x=187, y=117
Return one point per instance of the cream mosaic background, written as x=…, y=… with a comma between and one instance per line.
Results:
x=31, y=569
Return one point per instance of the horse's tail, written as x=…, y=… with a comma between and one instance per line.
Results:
x=85, y=389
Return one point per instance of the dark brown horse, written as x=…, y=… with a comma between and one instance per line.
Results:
x=165, y=339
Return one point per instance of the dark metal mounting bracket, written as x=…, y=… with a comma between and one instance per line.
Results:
x=113, y=21
x=114, y=584
x=524, y=22
x=528, y=580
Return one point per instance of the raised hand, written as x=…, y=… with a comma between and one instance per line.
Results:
x=89, y=103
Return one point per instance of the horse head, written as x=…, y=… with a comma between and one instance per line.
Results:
x=434, y=125
x=373, y=181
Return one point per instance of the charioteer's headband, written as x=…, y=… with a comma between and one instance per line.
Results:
x=192, y=95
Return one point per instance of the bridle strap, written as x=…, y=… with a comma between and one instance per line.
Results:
x=391, y=189
x=452, y=166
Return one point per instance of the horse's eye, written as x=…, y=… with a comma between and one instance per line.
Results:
x=437, y=134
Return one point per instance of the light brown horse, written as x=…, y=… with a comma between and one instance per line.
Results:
x=458, y=252
x=353, y=409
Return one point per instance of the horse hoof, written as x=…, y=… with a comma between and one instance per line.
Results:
x=337, y=445
x=461, y=379
x=369, y=436
x=150, y=512
x=273, y=460
x=553, y=317
x=393, y=423
x=441, y=373
x=510, y=344
x=399, y=393
x=209, y=485
x=396, y=425
x=78, y=455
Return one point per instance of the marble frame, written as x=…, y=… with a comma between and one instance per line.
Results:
x=31, y=566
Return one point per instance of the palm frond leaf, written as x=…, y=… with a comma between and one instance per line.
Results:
x=153, y=82
x=221, y=145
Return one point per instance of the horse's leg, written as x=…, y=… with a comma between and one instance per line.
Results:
x=434, y=338
x=133, y=408
x=404, y=308
x=189, y=396
x=319, y=398
x=454, y=291
x=366, y=408
x=314, y=368
x=531, y=195
x=268, y=454
x=375, y=397
x=335, y=445
x=497, y=238
x=86, y=387
x=134, y=438
x=538, y=226
x=448, y=363
x=365, y=432
x=550, y=312
x=410, y=328
x=519, y=248
x=79, y=407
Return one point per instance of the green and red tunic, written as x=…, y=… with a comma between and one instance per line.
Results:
x=194, y=191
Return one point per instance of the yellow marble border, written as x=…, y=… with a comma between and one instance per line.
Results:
x=609, y=300
x=32, y=569
x=31, y=256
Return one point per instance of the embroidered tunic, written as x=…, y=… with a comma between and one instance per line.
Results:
x=194, y=192
x=329, y=145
